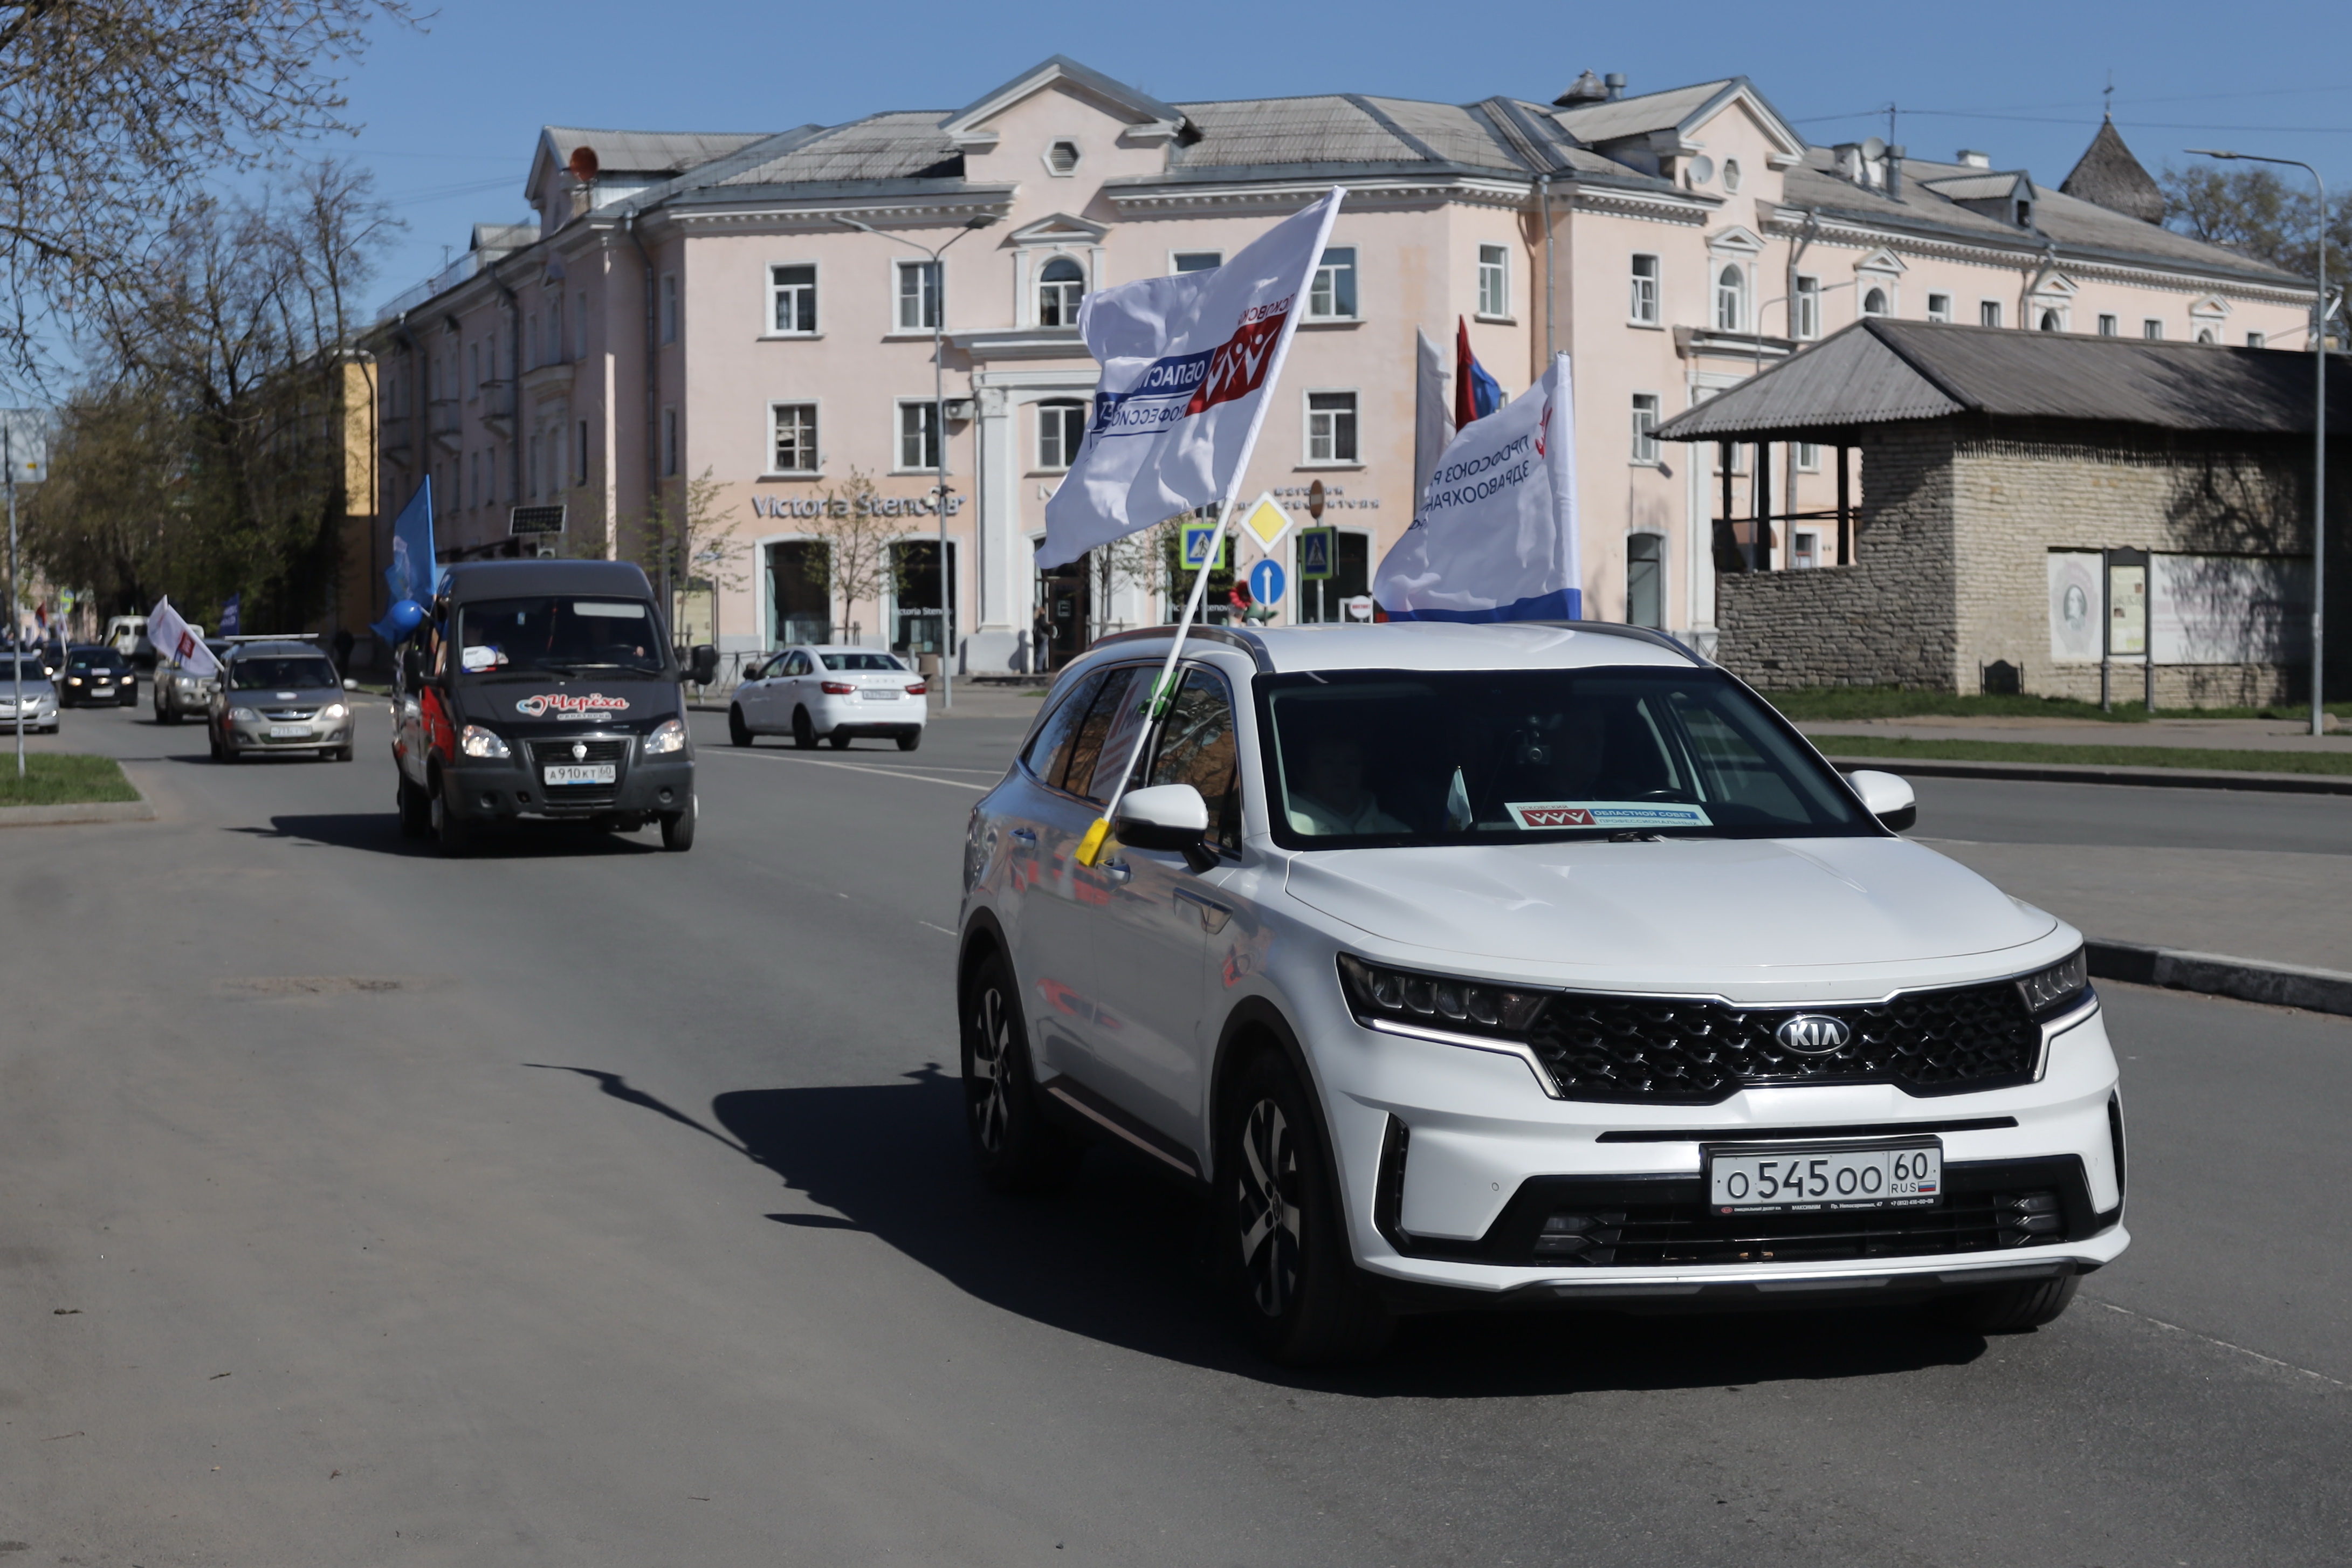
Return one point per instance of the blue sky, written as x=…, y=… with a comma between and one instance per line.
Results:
x=450, y=112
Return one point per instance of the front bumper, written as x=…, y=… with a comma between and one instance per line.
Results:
x=484, y=790
x=1453, y=1160
x=319, y=735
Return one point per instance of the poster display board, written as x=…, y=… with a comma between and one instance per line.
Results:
x=2180, y=609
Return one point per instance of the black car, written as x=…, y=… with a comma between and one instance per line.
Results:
x=544, y=689
x=97, y=674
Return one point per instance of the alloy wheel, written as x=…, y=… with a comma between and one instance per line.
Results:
x=991, y=1065
x=1269, y=1209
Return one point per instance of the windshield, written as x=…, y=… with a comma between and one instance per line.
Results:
x=860, y=661
x=88, y=663
x=262, y=672
x=1398, y=757
x=561, y=634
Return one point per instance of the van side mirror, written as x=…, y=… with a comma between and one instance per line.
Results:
x=1886, y=796
x=704, y=668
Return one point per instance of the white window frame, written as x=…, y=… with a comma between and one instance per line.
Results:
x=900, y=433
x=1737, y=290
x=1809, y=306
x=1315, y=285
x=816, y=437
x=1805, y=560
x=1644, y=296
x=669, y=308
x=1058, y=405
x=2110, y=325
x=937, y=270
x=1989, y=308
x=1077, y=157
x=1885, y=293
x=1808, y=457
x=1647, y=453
x=815, y=286
x=1308, y=415
x=1494, y=273
x=1176, y=256
x=2155, y=336
x=2258, y=340
x=1067, y=305
x=1939, y=306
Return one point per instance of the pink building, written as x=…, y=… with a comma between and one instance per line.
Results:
x=761, y=309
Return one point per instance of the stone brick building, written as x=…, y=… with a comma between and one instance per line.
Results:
x=2000, y=474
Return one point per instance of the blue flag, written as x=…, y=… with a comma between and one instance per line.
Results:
x=413, y=574
x=232, y=619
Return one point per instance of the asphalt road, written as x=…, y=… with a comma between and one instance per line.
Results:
x=581, y=1204
x=1997, y=811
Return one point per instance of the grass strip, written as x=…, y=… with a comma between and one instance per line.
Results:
x=1902, y=702
x=63, y=778
x=1896, y=748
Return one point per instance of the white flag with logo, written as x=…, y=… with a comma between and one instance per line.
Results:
x=1188, y=363
x=176, y=640
x=1494, y=539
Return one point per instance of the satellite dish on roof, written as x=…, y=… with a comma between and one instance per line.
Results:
x=584, y=164
x=1874, y=149
x=1701, y=169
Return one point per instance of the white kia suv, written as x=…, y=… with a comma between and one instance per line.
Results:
x=1525, y=963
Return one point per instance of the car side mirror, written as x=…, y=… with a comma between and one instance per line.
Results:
x=704, y=666
x=350, y=685
x=1886, y=796
x=1165, y=816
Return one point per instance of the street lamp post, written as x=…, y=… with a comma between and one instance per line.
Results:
x=938, y=433
x=1762, y=556
x=2318, y=423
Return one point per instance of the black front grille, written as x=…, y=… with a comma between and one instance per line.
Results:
x=1656, y=1050
x=563, y=751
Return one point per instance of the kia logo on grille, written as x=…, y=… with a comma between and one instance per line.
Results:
x=1813, y=1033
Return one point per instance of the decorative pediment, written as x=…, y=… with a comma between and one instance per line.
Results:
x=1882, y=260
x=1060, y=229
x=2057, y=283
x=1146, y=117
x=2212, y=305
x=1738, y=238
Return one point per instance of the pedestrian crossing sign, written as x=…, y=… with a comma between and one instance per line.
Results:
x=1198, y=539
x=1315, y=546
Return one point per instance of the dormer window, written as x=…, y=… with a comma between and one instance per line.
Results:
x=1060, y=287
x=1062, y=157
x=2025, y=215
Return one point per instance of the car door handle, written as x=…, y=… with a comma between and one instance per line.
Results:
x=1214, y=915
x=1117, y=870
x=1027, y=838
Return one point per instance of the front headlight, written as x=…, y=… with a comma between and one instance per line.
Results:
x=1376, y=993
x=185, y=682
x=667, y=736
x=2056, y=987
x=73, y=680
x=334, y=710
x=477, y=742
x=245, y=715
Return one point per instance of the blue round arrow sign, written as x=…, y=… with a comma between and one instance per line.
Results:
x=1266, y=581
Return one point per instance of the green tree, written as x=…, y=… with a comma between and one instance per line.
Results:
x=2261, y=212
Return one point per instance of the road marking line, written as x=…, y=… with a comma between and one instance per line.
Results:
x=2266, y=1360
x=941, y=930
x=852, y=767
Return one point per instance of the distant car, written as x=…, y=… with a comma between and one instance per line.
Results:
x=278, y=696
x=835, y=694
x=98, y=675
x=179, y=693
x=34, y=699
x=127, y=634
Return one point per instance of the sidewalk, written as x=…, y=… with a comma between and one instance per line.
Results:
x=2191, y=734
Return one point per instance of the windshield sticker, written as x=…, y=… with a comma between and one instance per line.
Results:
x=477, y=657
x=621, y=612
x=564, y=705
x=1616, y=814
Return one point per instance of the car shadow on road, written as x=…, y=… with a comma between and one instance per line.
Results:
x=1124, y=1257
x=378, y=833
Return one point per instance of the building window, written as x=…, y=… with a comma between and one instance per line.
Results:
x=1643, y=309
x=1332, y=296
x=669, y=442
x=1731, y=300
x=2151, y=329
x=1330, y=426
x=1809, y=458
x=2109, y=326
x=795, y=425
x=2205, y=335
x=792, y=294
x=1062, y=157
x=1873, y=302
x=1645, y=581
x=918, y=296
x=2049, y=323
x=1808, y=323
x=668, y=308
x=1645, y=427
x=1804, y=549
x=1731, y=174
x=1061, y=426
x=1493, y=280
x=919, y=435
x=2256, y=340
x=1060, y=287
x=2025, y=215
x=1988, y=312
x=1196, y=261
x=1939, y=306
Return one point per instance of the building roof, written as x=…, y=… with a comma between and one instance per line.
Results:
x=2111, y=177
x=645, y=152
x=1883, y=372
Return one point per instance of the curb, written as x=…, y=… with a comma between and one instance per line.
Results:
x=2076, y=772
x=2217, y=975
x=63, y=815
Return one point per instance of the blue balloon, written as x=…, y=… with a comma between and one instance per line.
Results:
x=404, y=618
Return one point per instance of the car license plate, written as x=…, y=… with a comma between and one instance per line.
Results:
x=1754, y=1179
x=290, y=731
x=579, y=773
x=884, y=696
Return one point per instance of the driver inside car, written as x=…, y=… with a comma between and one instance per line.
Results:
x=1327, y=793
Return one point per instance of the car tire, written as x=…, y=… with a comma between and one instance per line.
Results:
x=804, y=732
x=677, y=828
x=1285, y=1249
x=2009, y=1308
x=909, y=740
x=454, y=833
x=342, y=753
x=416, y=811
x=213, y=739
x=737, y=732
x=838, y=739
x=1016, y=1147
x=167, y=714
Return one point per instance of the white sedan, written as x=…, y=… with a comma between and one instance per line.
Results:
x=835, y=694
